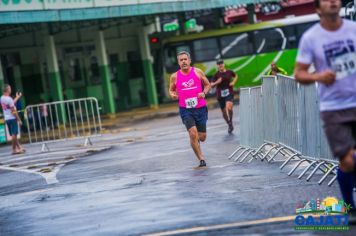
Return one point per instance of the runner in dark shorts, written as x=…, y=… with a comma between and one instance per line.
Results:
x=340, y=130
x=330, y=46
x=224, y=80
x=189, y=85
x=194, y=117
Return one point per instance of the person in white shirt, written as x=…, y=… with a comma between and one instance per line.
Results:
x=331, y=46
x=12, y=119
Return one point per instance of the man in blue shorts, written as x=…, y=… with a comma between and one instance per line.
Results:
x=189, y=85
x=12, y=119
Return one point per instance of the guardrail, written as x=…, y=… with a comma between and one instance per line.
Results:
x=63, y=120
x=280, y=122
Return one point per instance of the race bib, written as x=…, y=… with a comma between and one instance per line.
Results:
x=191, y=102
x=344, y=65
x=225, y=93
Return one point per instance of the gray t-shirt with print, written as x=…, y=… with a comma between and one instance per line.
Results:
x=334, y=50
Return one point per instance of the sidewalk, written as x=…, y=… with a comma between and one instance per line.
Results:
x=125, y=119
x=122, y=119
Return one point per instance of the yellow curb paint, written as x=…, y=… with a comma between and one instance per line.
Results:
x=154, y=107
x=111, y=115
x=225, y=226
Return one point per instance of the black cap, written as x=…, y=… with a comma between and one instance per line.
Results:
x=220, y=61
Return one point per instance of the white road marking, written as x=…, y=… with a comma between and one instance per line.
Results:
x=38, y=164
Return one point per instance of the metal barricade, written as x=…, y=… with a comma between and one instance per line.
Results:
x=250, y=115
x=245, y=116
x=280, y=120
x=269, y=106
x=257, y=130
x=63, y=120
x=289, y=120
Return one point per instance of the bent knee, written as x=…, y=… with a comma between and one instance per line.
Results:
x=193, y=134
x=202, y=137
x=347, y=163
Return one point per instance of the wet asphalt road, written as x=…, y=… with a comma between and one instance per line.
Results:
x=146, y=183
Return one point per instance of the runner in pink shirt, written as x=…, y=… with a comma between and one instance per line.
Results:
x=189, y=85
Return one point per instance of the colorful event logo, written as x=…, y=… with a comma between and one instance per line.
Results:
x=328, y=214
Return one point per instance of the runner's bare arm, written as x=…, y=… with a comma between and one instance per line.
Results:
x=172, y=86
x=14, y=112
x=304, y=77
x=233, y=82
x=206, y=83
x=18, y=96
x=218, y=81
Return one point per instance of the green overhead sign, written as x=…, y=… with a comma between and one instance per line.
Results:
x=171, y=26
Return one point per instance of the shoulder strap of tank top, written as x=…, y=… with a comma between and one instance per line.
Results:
x=195, y=72
x=177, y=77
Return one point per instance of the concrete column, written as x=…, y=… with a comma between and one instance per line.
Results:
x=123, y=85
x=147, y=61
x=53, y=71
x=53, y=74
x=109, y=102
x=18, y=83
x=251, y=13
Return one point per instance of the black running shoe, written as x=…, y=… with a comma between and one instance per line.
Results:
x=202, y=163
x=231, y=128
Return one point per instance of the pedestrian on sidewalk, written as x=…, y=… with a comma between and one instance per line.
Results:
x=189, y=85
x=44, y=115
x=331, y=46
x=224, y=80
x=12, y=118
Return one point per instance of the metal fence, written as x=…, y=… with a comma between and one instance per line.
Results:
x=251, y=112
x=63, y=120
x=280, y=119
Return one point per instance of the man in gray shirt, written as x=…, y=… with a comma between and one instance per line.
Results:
x=12, y=119
x=331, y=46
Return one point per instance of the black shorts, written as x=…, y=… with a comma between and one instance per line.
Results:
x=340, y=130
x=222, y=101
x=194, y=117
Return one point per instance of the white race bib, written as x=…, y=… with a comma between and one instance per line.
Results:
x=225, y=93
x=191, y=102
x=344, y=65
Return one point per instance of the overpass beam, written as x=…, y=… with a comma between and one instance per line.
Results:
x=109, y=103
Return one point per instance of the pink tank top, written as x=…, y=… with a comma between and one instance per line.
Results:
x=188, y=86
